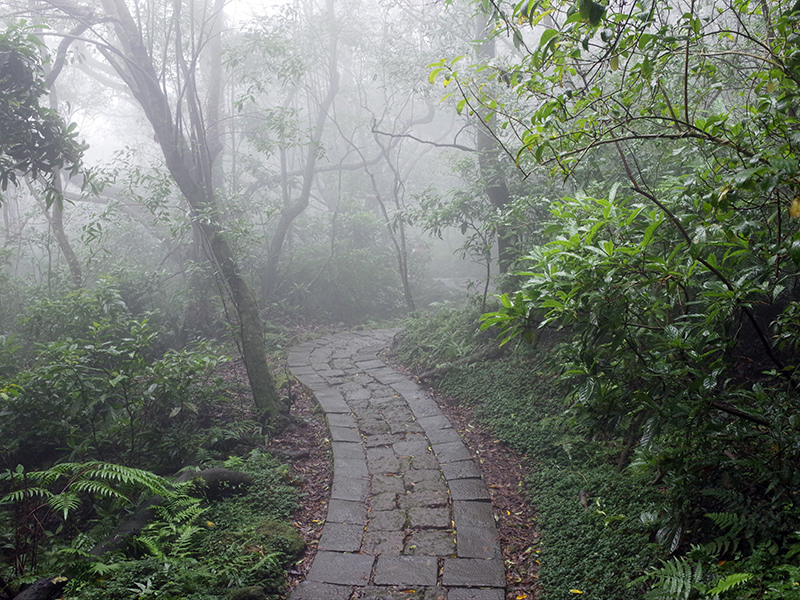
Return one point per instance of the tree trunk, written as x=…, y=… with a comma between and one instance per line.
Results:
x=191, y=169
x=489, y=152
x=292, y=210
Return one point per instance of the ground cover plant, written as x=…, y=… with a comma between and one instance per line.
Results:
x=97, y=421
x=590, y=516
x=615, y=521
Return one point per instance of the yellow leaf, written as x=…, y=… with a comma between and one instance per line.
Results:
x=522, y=596
x=574, y=591
x=794, y=208
x=615, y=62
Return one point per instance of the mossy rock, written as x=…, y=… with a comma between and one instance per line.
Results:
x=281, y=536
x=255, y=592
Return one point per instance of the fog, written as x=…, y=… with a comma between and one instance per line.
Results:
x=307, y=135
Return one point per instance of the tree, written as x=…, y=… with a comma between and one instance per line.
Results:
x=675, y=271
x=35, y=140
x=169, y=93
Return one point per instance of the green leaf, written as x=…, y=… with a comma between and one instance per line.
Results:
x=591, y=11
x=730, y=581
x=547, y=36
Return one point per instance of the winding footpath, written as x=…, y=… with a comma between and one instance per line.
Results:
x=409, y=515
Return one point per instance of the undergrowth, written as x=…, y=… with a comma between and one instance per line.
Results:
x=238, y=541
x=592, y=551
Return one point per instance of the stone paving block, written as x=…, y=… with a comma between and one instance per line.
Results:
x=341, y=569
x=417, y=475
x=473, y=514
x=373, y=427
x=405, y=427
x=435, y=422
x=329, y=373
x=468, y=489
x=378, y=402
x=344, y=434
x=377, y=543
x=429, y=518
x=341, y=537
x=370, y=414
x=424, y=407
x=442, y=436
x=388, y=377
x=366, y=365
x=475, y=594
x=429, y=485
x=406, y=387
x=384, y=501
x=361, y=393
x=297, y=360
x=362, y=379
x=451, y=452
x=341, y=420
x=386, y=520
x=423, y=499
x=382, y=484
x=346, y=511
x=314, y=590
x=342, y=450
x=350, y=467
x=377, y=418
x=477, y=542
x=394, y=592
x=463, y=469
x=406, y=570
x=312, y=380
x=331, y=405
x=423, y=461
x=431, y=542
x=382, y=439
x=349, y=488
x=382, y=460
x=474, y=572
x=412, y=448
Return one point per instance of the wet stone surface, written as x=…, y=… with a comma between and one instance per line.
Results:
x=409, y=515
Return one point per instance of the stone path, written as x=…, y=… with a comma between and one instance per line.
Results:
x=409, y=515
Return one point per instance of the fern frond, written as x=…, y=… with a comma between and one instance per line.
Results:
x=64, y=503
x=676, y=579
x=730, y=581
x=731, y=523
x=20, y=495
x=98, y=488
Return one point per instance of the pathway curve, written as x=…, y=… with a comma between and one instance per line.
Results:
x=409, y=515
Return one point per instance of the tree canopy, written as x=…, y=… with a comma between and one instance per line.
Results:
x=35, y=140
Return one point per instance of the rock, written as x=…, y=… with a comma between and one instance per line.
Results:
x=255, y=592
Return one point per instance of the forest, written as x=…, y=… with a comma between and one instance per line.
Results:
x=583, y=218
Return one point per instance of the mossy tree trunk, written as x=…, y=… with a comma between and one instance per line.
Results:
x=191, y=167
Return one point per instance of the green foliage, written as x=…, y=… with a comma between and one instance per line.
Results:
x=36, y=141
x=672, y=272
x=433, y=339
x=98, y=391
x=594, y=549
x=201, y=552
x=342, y=272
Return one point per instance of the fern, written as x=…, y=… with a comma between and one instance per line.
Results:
x=730, y=581
x=676, y=579
x=733, y=524
x=95, y=479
